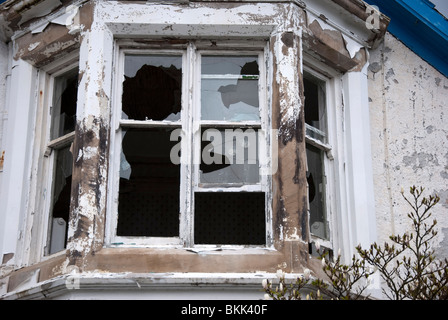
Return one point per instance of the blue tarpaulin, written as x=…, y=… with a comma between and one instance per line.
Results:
x=420, y=27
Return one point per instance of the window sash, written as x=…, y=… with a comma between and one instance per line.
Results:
x=53, y=146
x=191, y=125
x=321, y=139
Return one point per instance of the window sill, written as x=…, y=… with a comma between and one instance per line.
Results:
x=100, y=285
x=199, y=249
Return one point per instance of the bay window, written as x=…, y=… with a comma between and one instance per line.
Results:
x=189, y=148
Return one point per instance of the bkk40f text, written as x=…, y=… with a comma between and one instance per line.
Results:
x=230, y=309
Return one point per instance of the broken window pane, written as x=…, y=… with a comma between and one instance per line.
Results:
x=63, y=111
x=314, y=110
x=148, y=203
x=61, y=199
x=236, y=218
x=229, y=156
x=229, y=88
x=316, y=191
x=152, y=87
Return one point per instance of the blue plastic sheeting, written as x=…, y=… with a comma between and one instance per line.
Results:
x=420, y=27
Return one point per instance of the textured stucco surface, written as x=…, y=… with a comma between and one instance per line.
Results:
x=4, y=73
x=409, y=132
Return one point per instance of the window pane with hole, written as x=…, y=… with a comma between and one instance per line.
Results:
x=148, y=203
x=315, y=110
x=316, y=191
x=229, y=156
x=61, y=199
x=229, y=88
x=152, y=87
x=63, y=111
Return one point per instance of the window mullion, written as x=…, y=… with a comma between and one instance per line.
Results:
x=187, y=177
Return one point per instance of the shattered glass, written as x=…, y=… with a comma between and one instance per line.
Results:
x=152, y=87
x=229, y=88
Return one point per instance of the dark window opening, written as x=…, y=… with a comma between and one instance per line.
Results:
x=311, y=103
x=315, y=119
x=64, y=104
x=152, y=87
x=63, y=122
x=230, y=218
x=61, y=199
x=316, y=190
x=148, y=203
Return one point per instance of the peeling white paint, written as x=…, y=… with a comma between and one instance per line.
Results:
x=264, y=20
x=79, y=157
x=409, y=134
x=294, y=236
x=352, y=46
x=33, y=46
x=90, y=152
x=67, y=18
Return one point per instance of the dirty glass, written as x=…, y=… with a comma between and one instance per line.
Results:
x=152, y=87
x=229, y=156
x=63, y=111
x=316, y=191
x=61, y=199
x=229, y=88
x=148, y=203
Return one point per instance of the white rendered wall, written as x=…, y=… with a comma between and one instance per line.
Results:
x=16, y=142
x=409, y=131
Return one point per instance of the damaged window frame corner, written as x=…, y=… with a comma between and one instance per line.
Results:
x=190, y=124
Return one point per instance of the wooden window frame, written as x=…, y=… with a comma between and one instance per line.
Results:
x=191, y=127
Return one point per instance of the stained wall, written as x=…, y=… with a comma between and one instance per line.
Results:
x=409, y=132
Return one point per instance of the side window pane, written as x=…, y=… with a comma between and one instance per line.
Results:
x=63, y=121
x=152, y=87
x=315, y=110
x=148, y=203
x=316, y=191
x=315, y=119
x=63, y=112
x=61, y=199
x=229, y=88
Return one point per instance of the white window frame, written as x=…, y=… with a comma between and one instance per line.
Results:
x=54, y=145
x=41, y=189
x=331, y=148
x=191, y=99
